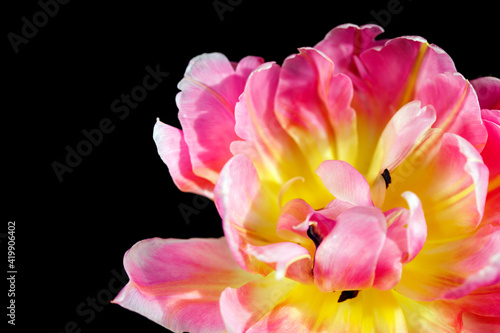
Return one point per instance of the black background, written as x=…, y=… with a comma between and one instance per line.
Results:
x=72, y=234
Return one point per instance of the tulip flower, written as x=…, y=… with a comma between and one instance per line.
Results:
x=358, y=185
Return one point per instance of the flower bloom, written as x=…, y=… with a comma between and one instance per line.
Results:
x=358, y=186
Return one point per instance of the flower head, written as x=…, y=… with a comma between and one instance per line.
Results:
x=358, y=186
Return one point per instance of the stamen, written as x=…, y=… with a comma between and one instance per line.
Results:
x=347, y=294
x=314, y=235
x=387, y=177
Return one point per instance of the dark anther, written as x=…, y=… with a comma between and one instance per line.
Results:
x=347, y=294
x=313, y=234
x=387, y=177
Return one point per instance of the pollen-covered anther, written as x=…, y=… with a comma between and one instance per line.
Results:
x=347, y=294
x=387, y=177
x=313, y=234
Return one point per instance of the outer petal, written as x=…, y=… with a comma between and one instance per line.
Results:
x=175, y=154
x=491, y=158
x=478, y=324
x=345, y=182
x=395, y=70
x=456, y=105
x=340, y=263
x=249, y=211
x=177, y=283
x=470, y=264
x=488, y=92
x=458, y=189
x=266, y=305
x=345, y=42
x=209, y=92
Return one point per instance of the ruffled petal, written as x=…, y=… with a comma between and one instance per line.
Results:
x=275, y=155
x=483, y=301
x=403, y=133
x=287, y=259
x=457, y=194
x=267, y=305
x=209, y=92
x=490, y=156
x=345, y=42
x=345, y=182
x=249, y=211
x=456, y=105
x=406, y=236
x=340, y=261
x=313, y=106
x=488, y=92
x=470, y=263
x=293, y=213
x=430, y=317
x=178, y=283
x=175, y=154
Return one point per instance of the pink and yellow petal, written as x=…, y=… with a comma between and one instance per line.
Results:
x=430, y=317
x=249, y=211
x=313, y=106
x=345, y=182
x=287, y=259
x=458, y=189
x=209, y=92
x=403, y=133
x=175, y=154
x=406, y=235
x=456, y=105
x=267, y=306
x=469, y=264
x=178, y=283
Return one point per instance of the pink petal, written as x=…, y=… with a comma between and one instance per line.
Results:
x=292, y=214
x=456, y=105
x=482, y=301
x=313, y=105
x=488, y=92
x=406, y=236
x=471, y=263
x=458, y=189
x=288, y=259
x=345, y=42
x=267, y=144
x=267, y=305
x=341, y=263
x=404, y=132
x=345, y=182
x=249, y=211
x=175, y=154
x=178, y=283
x=490, y=156
x=401, y=66
x=209, y=92
x=478, y=324
x=486, y=276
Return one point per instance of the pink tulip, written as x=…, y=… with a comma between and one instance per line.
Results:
x=358, y=185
